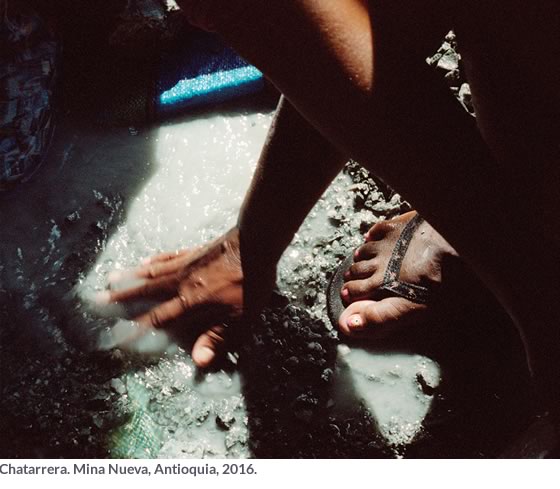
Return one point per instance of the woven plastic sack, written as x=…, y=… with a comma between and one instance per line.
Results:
x=28, y=56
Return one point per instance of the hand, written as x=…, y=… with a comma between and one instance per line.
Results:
x=209, y=278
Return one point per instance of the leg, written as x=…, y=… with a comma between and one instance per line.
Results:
x=446, y=171
x=515, y=92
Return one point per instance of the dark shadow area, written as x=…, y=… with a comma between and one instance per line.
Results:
x=289, y=366
x=485, y=396
x=56, y=398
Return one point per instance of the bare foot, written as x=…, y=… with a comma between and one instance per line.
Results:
x=381, y=298
x=208, y=278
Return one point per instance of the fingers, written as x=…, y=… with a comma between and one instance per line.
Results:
x=161, y=268
x=147, y=290
x=162, y=314
x=164, y=257
x=153, y=266
x=378, y=319
x=208, y=346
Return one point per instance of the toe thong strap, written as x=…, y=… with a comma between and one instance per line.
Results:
x=391, y=283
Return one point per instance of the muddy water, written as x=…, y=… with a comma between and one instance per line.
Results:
x=105, y=200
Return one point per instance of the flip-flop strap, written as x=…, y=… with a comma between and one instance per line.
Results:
x=391, y=283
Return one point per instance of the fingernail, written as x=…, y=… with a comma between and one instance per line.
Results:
x=102, y=298
x=145, y=261
x=203, y=356
x=356, y=253
x=355, y=321
x=114, y=276
x=345, y=293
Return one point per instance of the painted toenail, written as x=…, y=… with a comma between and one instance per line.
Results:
x=355, y=321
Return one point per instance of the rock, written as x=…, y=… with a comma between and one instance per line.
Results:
x=327, y=375
x=292, y=362
x=428, y=381
x=224, y=421
x=118, y=386
x=305, y=415
x=449, y=61
x=72, y=218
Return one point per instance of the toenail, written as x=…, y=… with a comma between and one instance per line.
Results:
x=354, y=321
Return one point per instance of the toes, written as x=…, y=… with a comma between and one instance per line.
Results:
x=366, y=252
x=361, y=270
x=381, y=229
x=378, y=319
x=378, y=231
x=146, y=289
x=208, y=346
x=152, y=267
x=359, y=289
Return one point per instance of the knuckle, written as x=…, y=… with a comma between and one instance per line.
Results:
x=215, y=335
x=185, y=300
x=155, y=319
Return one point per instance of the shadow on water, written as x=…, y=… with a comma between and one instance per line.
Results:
x=55, y=401
x=485, y=398
x=290, y=367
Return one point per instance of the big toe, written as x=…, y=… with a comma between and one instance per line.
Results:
x=379, y=319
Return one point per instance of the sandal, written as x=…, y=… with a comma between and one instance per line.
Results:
x=391, y=285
